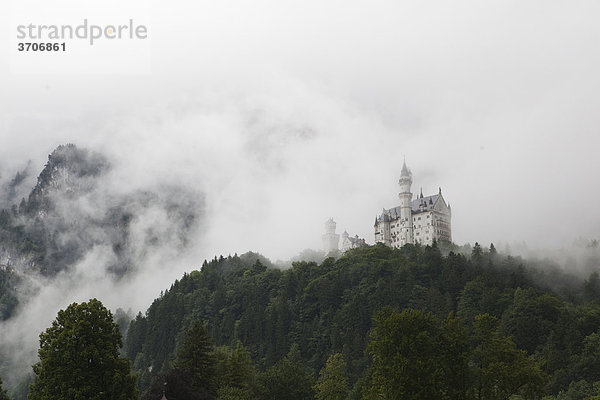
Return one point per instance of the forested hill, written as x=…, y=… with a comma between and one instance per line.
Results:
x=329, y=308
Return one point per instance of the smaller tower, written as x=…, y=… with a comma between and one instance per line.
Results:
x=331, y=239
x=385, y=228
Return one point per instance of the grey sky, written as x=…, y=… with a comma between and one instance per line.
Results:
x=286, y=113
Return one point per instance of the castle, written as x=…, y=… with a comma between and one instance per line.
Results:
x=331, y=240
x=423, y=220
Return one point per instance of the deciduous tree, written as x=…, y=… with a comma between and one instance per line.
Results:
x=79, y=357
x=332, y=383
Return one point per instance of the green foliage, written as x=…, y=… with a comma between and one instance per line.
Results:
x=406, y=350
x=234, y=393
x=591, y=287
x=288, y=379
x=175, y=384
x=234, y=368
x=3, y=392
x=500, y=369
x=79, y=357
x=195, y=357
x=456, y=358
x=332, y=383
x=530, y=318
x=417, y=356
x=578, y=390
x=329, y=308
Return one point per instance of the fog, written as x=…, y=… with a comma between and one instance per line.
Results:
x=279, y=115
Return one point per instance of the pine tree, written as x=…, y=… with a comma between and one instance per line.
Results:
x=493, y=250
x=195, y=357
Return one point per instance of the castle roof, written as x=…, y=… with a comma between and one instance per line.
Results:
x=405, y=171
x=427, y=201
x=355, y=240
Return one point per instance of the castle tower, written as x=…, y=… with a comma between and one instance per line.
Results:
x=331, y=239
x=406, y=221
x=385, y=228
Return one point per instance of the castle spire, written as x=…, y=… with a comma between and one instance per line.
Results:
x=405, y=171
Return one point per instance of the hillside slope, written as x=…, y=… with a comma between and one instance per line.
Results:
x=328, y=308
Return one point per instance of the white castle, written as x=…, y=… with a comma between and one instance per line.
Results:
x=423, y=220
x=331, y=240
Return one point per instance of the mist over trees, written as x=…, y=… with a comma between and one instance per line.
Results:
x=382, y=323
x=444, y=321
x=75, y=234
x=417, y=322
x=3, y=392
x=71, y=212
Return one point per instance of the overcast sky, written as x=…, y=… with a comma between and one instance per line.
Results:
x=287, y=113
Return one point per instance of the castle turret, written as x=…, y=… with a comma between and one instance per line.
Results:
x=331, y=240
x=386, y=233
x=406, y=222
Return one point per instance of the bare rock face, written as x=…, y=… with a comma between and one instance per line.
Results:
x=70, y=171
x=74, y=210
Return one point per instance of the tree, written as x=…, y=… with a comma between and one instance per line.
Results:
x=195, y=357
x=288, y=379
x=406, y=349
x=3, y=393
x=79, y=357
x=500, y=369
x=175, y=384
x=234, y=367
x=591, y=287
x=493, y=251
x=455, y=356
x=477, y=253
x=332, y=383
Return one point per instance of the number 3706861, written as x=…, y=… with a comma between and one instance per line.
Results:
x=41, y=46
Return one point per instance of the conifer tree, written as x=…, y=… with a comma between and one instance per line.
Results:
x=195, y=357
